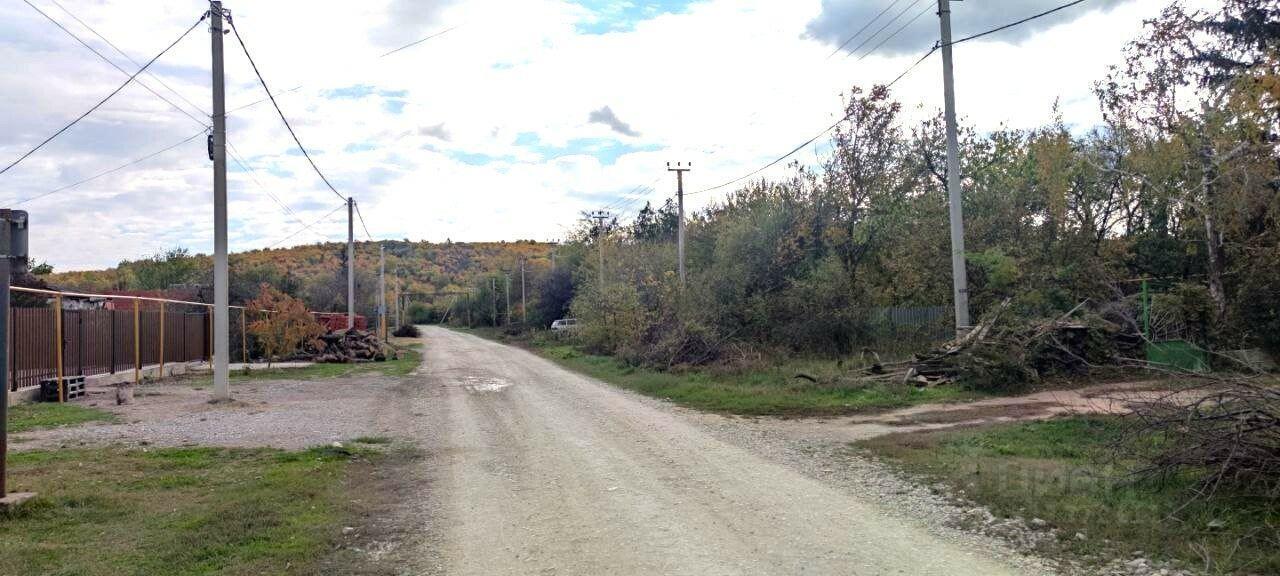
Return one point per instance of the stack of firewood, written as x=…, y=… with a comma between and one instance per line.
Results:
x=352, y=345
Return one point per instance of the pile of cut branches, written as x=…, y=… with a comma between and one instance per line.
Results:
x=1224, y=427
x=1004, y=353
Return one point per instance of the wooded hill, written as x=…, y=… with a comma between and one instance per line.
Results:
x=316, y=272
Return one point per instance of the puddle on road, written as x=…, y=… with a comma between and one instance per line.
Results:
x=482, y=384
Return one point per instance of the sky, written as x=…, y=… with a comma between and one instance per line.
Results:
x=517, y=116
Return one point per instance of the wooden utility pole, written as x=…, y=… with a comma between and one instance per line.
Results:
x=680, y=169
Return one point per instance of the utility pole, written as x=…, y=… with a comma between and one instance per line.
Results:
x=680, y=169
x=351, y=264
x=959, y=277
x=382, y=291
x=221, y=333
x=508, y=275
x=13, y=254
x=600, y=216
x=524, y=306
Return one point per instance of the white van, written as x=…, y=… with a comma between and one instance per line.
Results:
x=564, y=324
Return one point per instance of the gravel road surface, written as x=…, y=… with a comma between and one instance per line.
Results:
x=536, y=470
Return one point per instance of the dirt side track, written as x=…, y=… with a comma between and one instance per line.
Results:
x=535, y=470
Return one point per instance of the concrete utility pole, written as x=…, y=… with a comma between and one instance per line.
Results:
x=382, y=290
x=351, y=263
x=680, y=169
x=13, y=254
x=221, y=333
x=959, y=277
x=524, y=307
x=600, y=216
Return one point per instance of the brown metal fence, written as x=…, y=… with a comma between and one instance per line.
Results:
x=102, y=340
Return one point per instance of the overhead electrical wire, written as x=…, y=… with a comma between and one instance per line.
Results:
x=236, y=30
x=935, y=48
x=1016, y=23
x=927, y=8
x=362, y=224
x=299, y=86
x=126, y=56
x=887, y=24
x=103, y=101
x=862, y=29
x=235, y=156
x=305, y=228
x=113, y=170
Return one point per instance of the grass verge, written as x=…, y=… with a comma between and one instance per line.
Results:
x=402, y=366
x=177, y=511
x=774, y=391
x=1060, y=471
x=34, y=416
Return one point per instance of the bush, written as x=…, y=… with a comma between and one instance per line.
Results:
x=1260, y=303
x=407, y=331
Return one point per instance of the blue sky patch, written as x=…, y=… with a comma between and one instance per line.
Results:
x=476, y=158
x=362, y=147
x=606, y=150
x=622, y=16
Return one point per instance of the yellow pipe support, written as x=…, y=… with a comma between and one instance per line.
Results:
x=162, y=340
x=137, y=346
x=57, y=344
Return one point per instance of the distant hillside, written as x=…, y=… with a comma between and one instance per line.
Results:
x=316, y=272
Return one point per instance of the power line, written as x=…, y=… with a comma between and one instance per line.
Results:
x=236, y=30
x=111, y=171
x=887, y=24
x=299, y=86
x=104, y=100
x=927, y=9
x=815, y=136
x=253, y=174
x=862, y=29
x=131, y=60
x=895, y=80
x=1016, y=23
x=304, y=228
x=362, y=224
x=417, y=42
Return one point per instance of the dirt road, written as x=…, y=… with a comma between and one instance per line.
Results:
x=536, y=470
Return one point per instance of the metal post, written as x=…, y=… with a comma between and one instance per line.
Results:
x=57, y=345
x=524, y=304
x=382, y=292
x=959, y=277
x=220, y=333
x=162, y=339
x=4, y=369
x=680, y=169
x=351, y=264
x=137, y=346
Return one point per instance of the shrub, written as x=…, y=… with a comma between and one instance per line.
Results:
x=407, y=331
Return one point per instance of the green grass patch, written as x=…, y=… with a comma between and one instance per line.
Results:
x=409, y=358
x=773, y=391
x=24, y=417
x=174, y=511
x=1061, y=471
